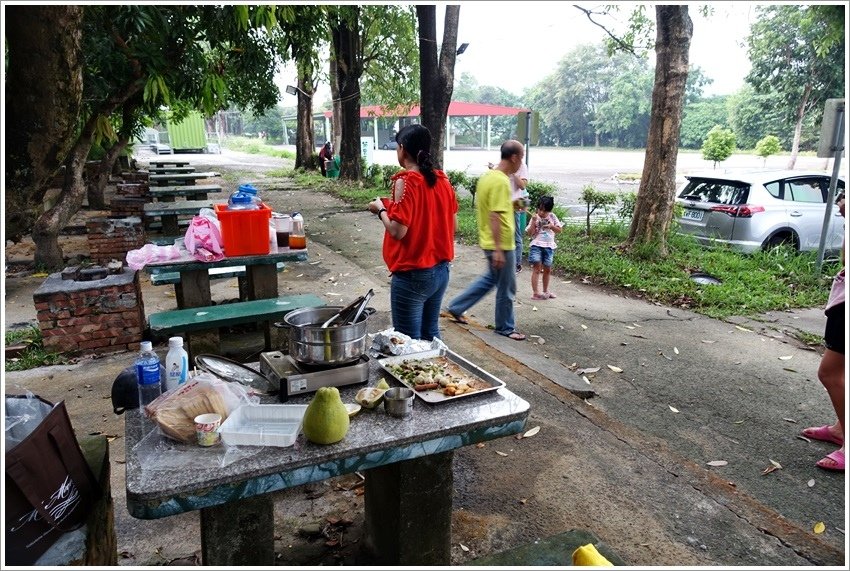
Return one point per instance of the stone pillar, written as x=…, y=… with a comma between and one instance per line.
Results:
x=412, y=498
x=132, y=189
x=111, y=238
x=99, y=316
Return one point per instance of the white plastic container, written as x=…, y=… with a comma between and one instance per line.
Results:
x=176, y=364
x=263, y=425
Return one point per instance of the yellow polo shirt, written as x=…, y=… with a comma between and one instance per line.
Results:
x=493, y=194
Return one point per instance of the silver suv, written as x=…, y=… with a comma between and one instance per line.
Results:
x=759, y=210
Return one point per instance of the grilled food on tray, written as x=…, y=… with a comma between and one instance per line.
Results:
x=437, y=374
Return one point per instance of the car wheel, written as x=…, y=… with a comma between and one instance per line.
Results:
x=782, y=239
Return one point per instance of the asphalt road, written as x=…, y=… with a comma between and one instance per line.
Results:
x=624, y=454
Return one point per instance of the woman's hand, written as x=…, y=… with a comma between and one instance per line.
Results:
x=376, y=205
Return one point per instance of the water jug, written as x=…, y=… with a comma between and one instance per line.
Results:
x=242, y=201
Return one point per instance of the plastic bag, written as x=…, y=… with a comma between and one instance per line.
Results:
x=138, y=259
x=203, y=239
x=175, y=411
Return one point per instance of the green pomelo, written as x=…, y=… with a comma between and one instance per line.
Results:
x=326, y=418
x=382, y=385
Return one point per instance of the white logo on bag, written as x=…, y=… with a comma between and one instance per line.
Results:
x=58, y=505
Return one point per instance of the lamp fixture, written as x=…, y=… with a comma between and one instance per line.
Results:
x=462, y=48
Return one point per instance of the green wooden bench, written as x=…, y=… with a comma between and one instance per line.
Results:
x=215, y=316
x=166, y=278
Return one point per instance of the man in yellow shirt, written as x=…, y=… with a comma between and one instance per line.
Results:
x=495, y=217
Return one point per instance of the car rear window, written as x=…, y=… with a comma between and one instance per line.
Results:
x=716, y=191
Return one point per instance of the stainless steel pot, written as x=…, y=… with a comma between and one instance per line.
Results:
x=310, y=344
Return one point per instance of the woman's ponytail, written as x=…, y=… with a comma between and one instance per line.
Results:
x=416, y=140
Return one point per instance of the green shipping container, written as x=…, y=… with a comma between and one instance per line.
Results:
x=190, y=134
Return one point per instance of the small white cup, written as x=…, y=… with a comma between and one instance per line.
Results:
x=206, y=428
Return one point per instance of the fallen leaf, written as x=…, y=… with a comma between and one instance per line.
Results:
x=775, y=463
x=541, y=341
x=585, y=379
x=533, y=308
x=675, y=350
x=500, y=453
x=560, y=327
x=480, y=445
x=768, y=470
x=462, y=546
x=790, y=420
x=523, y=501
x=615, y=369
x=811, y=483
x=789, y=370
x=707, y=341
x=717, y=463
x=785, y=357
x=531, y=432
x=819, y=528
x=588, y=370
x=583, y=326
x=673, y=409
x=801, y=437
x=739, y=422
x=629, y=327
x=738, y=327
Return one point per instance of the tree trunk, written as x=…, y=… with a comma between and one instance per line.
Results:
x=336, y=115
x=436, y=82
x=347, y=46
x=654, y=204
x=44, y=85
x=304, y=138
x=798, y=126
x=45, y=232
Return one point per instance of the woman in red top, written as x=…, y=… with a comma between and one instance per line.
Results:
x=419, y=222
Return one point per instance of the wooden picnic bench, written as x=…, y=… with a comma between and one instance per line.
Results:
x=168, y=212
x=159, y=163
x=180, y=178
x=173, y=278
x=191, y=191
x=171, y=170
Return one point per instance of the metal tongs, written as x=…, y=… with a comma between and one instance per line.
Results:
x=354, y=308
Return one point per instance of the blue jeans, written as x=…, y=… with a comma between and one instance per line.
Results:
x=415, y=299
x=519, y=228
x=504, y=280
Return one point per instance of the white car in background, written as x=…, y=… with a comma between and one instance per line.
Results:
x=759, y=210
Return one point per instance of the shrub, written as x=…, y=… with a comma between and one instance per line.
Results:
x=719, y=144
x=536, y=189
x=458, y=179
x=594, y=199
x=627, y=204
x=388, y=172
x=769, y=145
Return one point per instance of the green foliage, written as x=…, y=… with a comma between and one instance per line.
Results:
x=34, y=355
x=594, y=199
x=769, y=145
x=719, y=144
x=792, y=59
x=257, y=147
x=699, y=117
x=390, y=52
x=374, y=174
x=628, y=200
x=388, y=171
x=536, y=189
x=458, y=179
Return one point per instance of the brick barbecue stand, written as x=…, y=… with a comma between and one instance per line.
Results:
x=111, y=238
x=102, y=315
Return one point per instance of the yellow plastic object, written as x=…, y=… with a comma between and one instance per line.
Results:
x=587, y=556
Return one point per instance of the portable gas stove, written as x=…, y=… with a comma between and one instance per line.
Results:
x=296, y=378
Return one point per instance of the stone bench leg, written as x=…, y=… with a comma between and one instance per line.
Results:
x=238, y=533
x=408, y=509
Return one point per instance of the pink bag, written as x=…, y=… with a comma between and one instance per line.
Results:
x=203, y=240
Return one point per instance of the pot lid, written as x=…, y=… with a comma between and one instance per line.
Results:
x=229, y=370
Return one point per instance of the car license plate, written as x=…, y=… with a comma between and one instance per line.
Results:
x=693, y=214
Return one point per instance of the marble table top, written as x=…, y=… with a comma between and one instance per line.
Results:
x=166, y=478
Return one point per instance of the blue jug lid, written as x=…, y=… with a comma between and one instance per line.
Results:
x=240, y=198
x=247, y=188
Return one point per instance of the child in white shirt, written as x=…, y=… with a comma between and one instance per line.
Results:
x=542, y=228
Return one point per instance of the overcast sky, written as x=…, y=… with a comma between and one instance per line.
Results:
x=515, y=44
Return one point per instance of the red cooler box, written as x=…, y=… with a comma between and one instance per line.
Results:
x=244, y=232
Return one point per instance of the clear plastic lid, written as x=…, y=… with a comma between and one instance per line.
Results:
x=175, y=341
x=146, y=346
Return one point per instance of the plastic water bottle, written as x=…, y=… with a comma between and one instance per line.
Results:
x=242, y=201
x=176, y=364
x=147, y=374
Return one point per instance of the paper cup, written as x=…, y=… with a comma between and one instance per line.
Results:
x=206, y=428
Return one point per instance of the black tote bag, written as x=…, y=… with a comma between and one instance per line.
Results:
x=50, y=488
